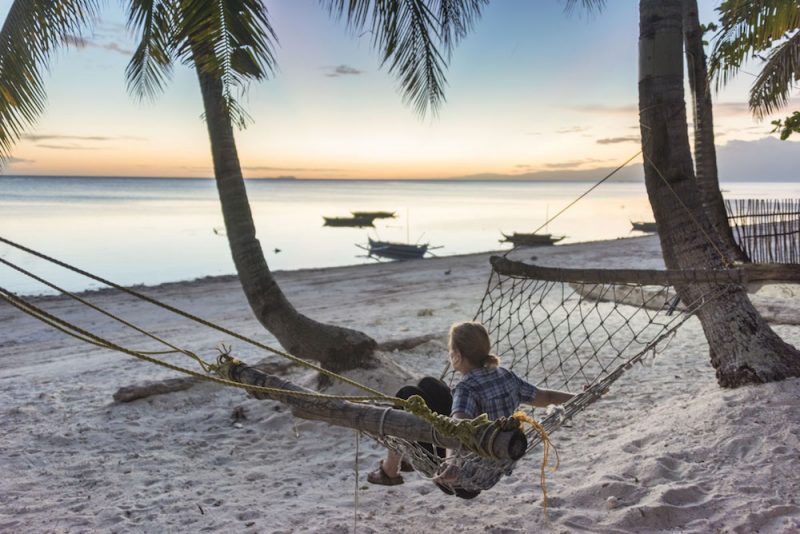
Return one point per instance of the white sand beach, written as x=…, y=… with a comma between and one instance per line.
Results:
x=666, y=450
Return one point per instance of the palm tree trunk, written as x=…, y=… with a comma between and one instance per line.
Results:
x=705, y=153
x=335, y=347
x=743, y=347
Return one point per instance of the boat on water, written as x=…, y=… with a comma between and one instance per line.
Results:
x=353, y=222
x=644, y=226
x=375, y=214
x=396, y=251
x=530, y=239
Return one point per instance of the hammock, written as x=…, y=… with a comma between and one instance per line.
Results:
x=560, y=328
x=578, y=330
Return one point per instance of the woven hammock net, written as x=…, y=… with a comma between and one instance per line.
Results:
x=574, y=336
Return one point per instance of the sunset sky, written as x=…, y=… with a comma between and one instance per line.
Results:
x=531, y=89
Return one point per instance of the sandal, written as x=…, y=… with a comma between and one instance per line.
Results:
x=406, y=467
x=379, y=476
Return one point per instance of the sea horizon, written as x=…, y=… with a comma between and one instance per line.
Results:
x=151, y=231
x=508, y=178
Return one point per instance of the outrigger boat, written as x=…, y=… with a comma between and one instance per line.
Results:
x=396, y=251
x=375, y=214
x=644, y=226
x=530, y=240
x=354, y=222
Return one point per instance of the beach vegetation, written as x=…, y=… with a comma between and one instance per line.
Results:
x=766, y=31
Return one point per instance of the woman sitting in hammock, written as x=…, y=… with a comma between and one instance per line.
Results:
x=485, y=388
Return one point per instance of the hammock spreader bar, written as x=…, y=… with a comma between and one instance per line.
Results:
x=776, y=272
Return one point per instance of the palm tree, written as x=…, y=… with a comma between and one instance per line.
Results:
x=744, y=349
x=705, y=153
x=228, y=42
x=749, y=30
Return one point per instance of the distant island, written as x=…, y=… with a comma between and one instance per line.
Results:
x=631, y=173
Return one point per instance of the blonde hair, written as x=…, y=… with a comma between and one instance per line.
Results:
x=471, y=340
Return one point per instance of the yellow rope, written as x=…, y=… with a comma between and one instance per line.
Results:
x=189, y=316
x=83, y=335
x=523, y=417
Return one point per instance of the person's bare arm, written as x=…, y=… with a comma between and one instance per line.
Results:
x=546, y=397
x=450, y=474
x=457, y=415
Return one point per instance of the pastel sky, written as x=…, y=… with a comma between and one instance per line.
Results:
x=531, y=89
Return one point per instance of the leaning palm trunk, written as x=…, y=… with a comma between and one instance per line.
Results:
x=743, y=347
x=336, y=348
x=705, y=153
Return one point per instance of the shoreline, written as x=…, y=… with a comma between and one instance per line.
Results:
x=523, y=253
x=665, y=450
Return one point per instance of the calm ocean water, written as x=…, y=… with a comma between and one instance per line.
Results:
x=147, y=231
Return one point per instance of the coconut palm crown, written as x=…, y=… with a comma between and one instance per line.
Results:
x=759, y=29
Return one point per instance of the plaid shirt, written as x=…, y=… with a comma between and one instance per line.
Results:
x=496, y=392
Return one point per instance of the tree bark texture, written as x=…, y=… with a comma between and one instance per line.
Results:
x=705, y=152
x=335, y=347
x=743, y=347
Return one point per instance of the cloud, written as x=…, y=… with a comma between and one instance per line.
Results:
x=290, y=169
x=37, y=138
x=342, y=70
x=614, y=140
x=66, y=147
x=573, y=129
x=12, y=160
x=72, y=142
x=572, y=164
x=606, y=110
x=57, y=137
x=731, y=108
x=81, y=43
x=767, y=159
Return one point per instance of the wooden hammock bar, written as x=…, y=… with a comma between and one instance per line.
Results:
x=372, y=419
x=773, y=272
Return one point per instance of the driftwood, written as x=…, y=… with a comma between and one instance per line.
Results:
x=408, y=343
x=148, y=389
x=172, y=385
x=644, y=297
x=372, y=419
x=775, y=310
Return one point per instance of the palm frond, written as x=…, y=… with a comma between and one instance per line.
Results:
x=151, y=65
x=33, y=31
x=415, y=39
x=748, y=28
x=773, y=86
x=456, y=19
x=590, y=6
x=230, y=39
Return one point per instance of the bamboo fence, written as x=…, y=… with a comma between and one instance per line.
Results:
x=767, y=230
